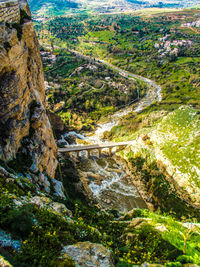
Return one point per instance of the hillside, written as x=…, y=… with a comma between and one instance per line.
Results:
x=98, y=78
x=47, y=9
x=80, y=84
x=169, y=140
x=163, y=160
x=168, y=54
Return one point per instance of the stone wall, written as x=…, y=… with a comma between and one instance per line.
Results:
x=9, y=11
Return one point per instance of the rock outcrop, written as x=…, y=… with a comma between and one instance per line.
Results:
x=54, y=207
x=87, y=254
x=25, y=131
x=9, y=11
x=4, y=263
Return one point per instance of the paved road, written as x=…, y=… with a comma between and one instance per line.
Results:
x=157, y=96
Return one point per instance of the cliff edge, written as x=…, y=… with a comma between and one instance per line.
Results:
x=26, y=137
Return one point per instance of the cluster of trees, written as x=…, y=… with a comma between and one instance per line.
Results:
x=128, y=41
x=87, y=86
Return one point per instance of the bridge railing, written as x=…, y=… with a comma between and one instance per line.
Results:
x=88, y=148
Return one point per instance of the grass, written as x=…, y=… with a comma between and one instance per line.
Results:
x=173, y=140
x=177, y=138
x=154, y=11
x=184, y=60
x=128, y=40
x=176, y=233
x=195, y=7
x=100, y=36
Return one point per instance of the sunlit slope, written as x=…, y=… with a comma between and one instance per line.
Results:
x=174, y=143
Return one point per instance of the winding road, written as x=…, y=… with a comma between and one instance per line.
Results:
x=129, y=75
x=153, y=94
x=116, y=189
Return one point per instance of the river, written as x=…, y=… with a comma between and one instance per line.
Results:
x=108, y=181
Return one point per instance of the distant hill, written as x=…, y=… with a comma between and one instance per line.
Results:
x=48, y=8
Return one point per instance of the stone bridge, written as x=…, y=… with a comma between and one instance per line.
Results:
x=89, y=148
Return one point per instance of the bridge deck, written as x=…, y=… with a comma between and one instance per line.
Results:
x=91, y=147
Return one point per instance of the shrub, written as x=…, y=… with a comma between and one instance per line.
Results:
x=18, y=221
x=185, y=259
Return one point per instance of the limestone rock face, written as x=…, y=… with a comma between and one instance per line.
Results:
x=4, y=263
x=25, y=129
x=87, y=254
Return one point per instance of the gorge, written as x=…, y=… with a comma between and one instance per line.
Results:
x=115, y=185
x=136, y=206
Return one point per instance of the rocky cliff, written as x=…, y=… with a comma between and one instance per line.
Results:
x=26, y=137
x=9, y=11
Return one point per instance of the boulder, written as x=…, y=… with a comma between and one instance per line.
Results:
x=4, y=263
x=87, y=254
x=6, y=241
x=161, y=228
x=71, y=139
x=56, y=122
x=54, y=207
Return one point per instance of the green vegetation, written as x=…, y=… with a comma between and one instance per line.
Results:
x=196, y=7
x=154, y=46
x=164, y=155
x=133, y=240
x=83, y=91
x=160, y=188
x=134, y=237
x=171, y=139
x=184, y=127
x=51, y=8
